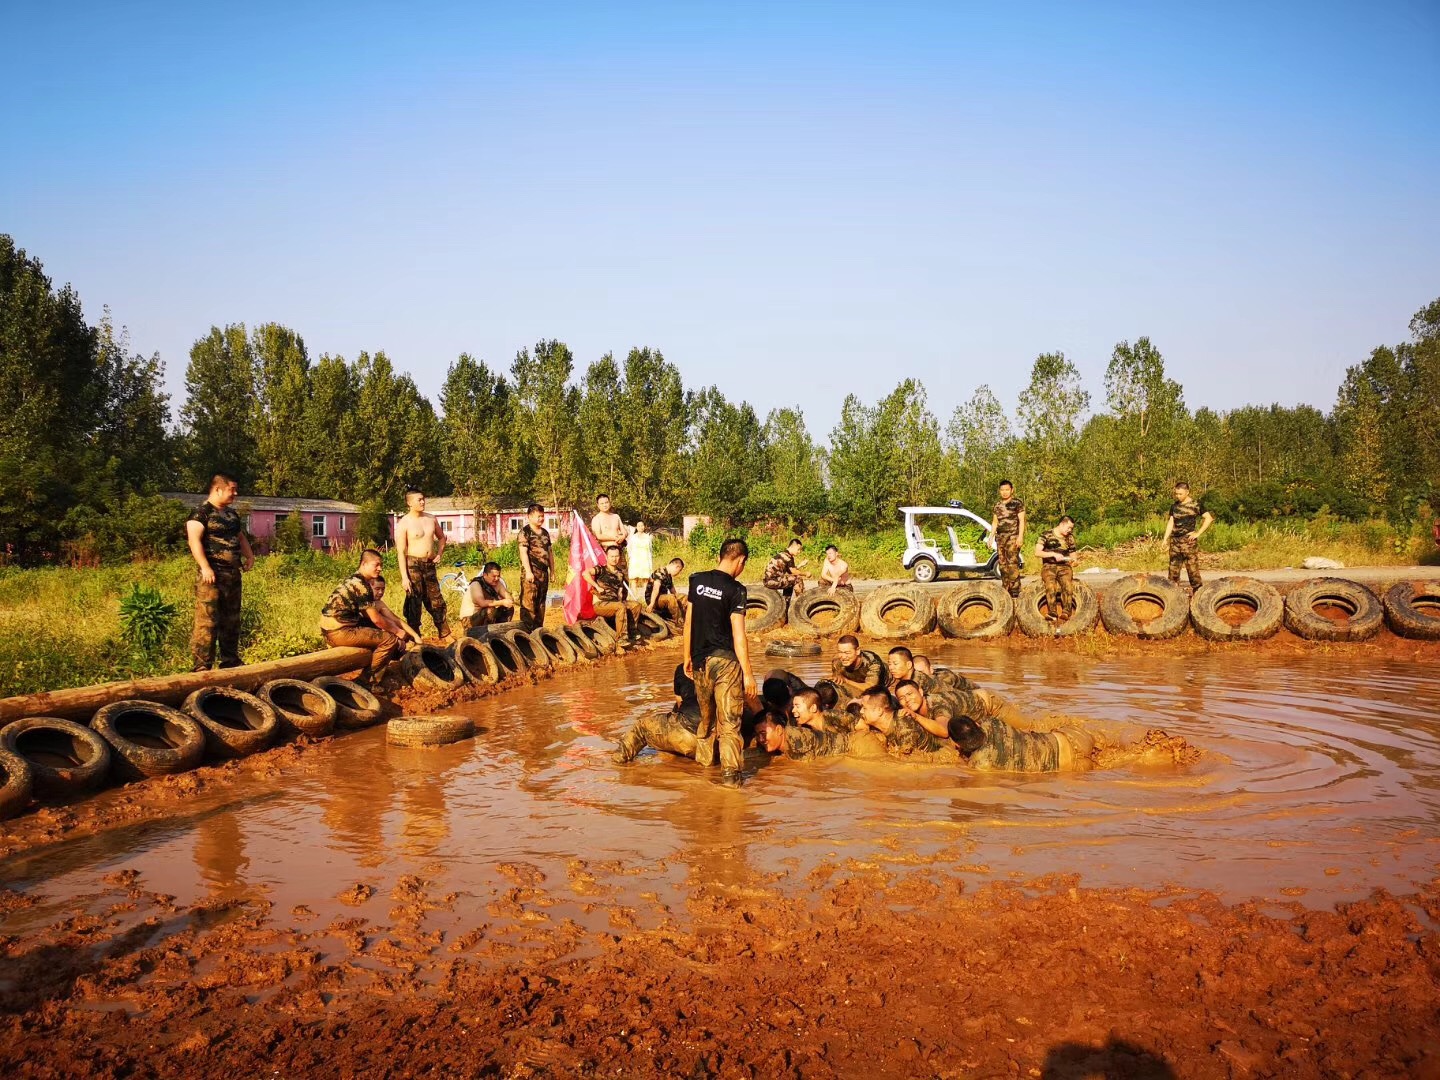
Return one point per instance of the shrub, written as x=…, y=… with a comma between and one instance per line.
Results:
x=292, y=536
x=145, y=619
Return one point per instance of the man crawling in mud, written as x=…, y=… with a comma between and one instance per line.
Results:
x=902, y=665
x=977, y=724
x=806, y=743
x=810, y=710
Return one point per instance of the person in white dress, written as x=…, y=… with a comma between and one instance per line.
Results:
x=642, y=562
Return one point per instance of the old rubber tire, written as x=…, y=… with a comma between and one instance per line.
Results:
x=1032, y=621
x=355, y=706
x=1173, y=603
x=148, y=739
x=792, y=648
x=585, y=649
x=954, y=611
x=17, y=784
x=235, y=723
x=302, y=709
x=764, y=609
x=558, y=645
x=65, y=758
x=431, y=667
x=428, y=730
x=477, y=660
x=651, y=627
x=600, y=635
x=890, y=598
x=1361, y=605
x=529, y=650
x=1412, y=608
x=485, y=633
x=1215, y=596
x=507, y=656
x=841, y=606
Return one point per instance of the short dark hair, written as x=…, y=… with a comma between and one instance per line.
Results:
x=612, y=547
x=832, y=547
x=602, y=495
x=679, y=560
x=903, y=651
x=1182, y=483
x=849, y=639
x=370, y=553
x=221, y=478
x=906, y=682
x=734, y=547
x=533, y=508
x=829, y=696
x=966, y=734
x=413, y=491
x=809, y=696
x=775, y=691
x=1064, y=518
x=378, y=579
x=877, y=693
x=489, y=566
x=1005, y=483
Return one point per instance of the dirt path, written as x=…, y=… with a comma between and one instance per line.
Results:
x=1373, y=576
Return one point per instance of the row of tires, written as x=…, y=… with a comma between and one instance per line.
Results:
x=1138, y=605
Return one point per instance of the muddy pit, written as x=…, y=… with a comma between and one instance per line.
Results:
x=517, y=905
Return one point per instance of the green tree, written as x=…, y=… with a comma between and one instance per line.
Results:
x=328, y=430
x=980, y=439
x=1149, y=412
x=394, y=435
x=292, y=535
x=547, y=429
x=132, y=441
x=794, y=484
x=282, y=402
x=861, y=485
x=220, y=408
x=654, y=417
x=478, y=414
x=603, y=450
x=727, y=456
x=1051, y=408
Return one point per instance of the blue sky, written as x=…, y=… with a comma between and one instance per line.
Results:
x=791, y=202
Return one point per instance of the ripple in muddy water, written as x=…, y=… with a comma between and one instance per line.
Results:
x=1320, y=778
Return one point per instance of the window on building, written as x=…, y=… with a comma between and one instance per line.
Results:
x=444, y=526
x=342, y=522
x=317, y=525
x=515, y=524
x=280, y=517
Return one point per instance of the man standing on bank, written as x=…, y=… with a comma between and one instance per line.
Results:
x=1056, y=550
x=609, y=529
x=1008, y=523
x=537, y=562
x=419, y=543
x=218, y=545
x=1183, y=529
x=717, y=657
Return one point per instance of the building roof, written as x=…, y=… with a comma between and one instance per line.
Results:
x=272, y=502
x=446, y=504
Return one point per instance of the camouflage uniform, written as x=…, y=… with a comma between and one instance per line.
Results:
x=949, y=678
x=425, y=595
x=1058, y=577
x=1184, y=548
x=345, y=624
x=868, y=671
x=780, y=575
x=534, y=594
x=610, y=602
x=907, y=739
x=667, y=601
x=720, y=688
x=217, y=605
x=487, y=615
x=673, y=732
x=1007, y=542
x=804, y=743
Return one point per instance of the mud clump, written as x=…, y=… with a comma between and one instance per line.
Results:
x=1156, y=747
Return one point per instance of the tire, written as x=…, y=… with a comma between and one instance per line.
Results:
x=768, y=606
x=954, y=608
x=1361, y=605
x=148, y=739
x=898, y=597
x=1214, y=596
x=924, y=569
x=529, y=649
x=355, y=706
x=17, y=784
x=558, y=645
x=235, y=723
x=600, y=635
x=485, y=633
x=302, y=709
x=650, y=627
x=428, y=730
x=841, y=605
x=477, y=660
x=1412, y=608
x=1170, y=597
x=792, y=648
x=585, y=649
x=65, y=758
x=508, y=657
x=431, y=667
x=1033, y=623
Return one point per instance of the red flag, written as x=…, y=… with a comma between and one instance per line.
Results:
x=585, y=552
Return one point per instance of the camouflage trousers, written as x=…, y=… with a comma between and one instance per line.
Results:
x=1185, y=552
x=425, y=595
x=533, y=597
x=217, y=620
x=1008, y=545
x=720, y=687
x=672, y=732
x=671, y=606
x=1059, y=582
x=626, y=614
x=386, y=645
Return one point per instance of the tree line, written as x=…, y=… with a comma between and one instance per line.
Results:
x=88, y=438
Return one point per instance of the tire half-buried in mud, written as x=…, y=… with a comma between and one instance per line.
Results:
x=838, y=612
x=585, y=649
x=477, y=660
x=148, y=739
x=975, y=611
x=890, y=600
x=1359, y=608
x=529, y=649
x=1149, y=589
x=302, y=709
x=235, y=723
x=507, y=656
x=428, y=730
x=65, y=758
x=651, y=627
x=431, y=667
x=558, y=645
x=792, y=648
x=17, y=784
x=764, y=609
x=1412, y=608
x=1030, y=617
x=355, y=706
x=1214, y=598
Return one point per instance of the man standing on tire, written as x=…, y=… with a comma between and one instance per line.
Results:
x=717, y=657
x=537, y=562
x=1008, y=524
x=353, y=618
x=419, y=543
x=221, y=550
x=1056, y=550
x=1183, y=529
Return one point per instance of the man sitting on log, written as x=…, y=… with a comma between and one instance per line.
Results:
x=356, y=617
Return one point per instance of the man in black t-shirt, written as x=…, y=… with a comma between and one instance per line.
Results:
x=717, y=657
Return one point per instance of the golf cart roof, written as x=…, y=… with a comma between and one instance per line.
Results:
x=937, y=510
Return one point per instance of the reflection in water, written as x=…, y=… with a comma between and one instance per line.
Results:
x=1320, y=773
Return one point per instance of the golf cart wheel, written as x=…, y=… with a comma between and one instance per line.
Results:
x=924, y=569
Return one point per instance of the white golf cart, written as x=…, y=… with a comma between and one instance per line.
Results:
x=927, y=559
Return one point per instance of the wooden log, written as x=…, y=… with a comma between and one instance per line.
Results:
x=82, y=702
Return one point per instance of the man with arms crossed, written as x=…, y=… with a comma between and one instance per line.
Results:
x=220, y=549
x=419, y=543
x=717, y=657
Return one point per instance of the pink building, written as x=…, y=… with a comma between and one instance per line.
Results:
x=462, y=524
x=330, y=523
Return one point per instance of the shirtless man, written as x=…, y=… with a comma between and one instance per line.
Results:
x=609, y=529
x=419, y=543
x=835, y=571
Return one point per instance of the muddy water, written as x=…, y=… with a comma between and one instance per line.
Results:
x=1320, y=779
